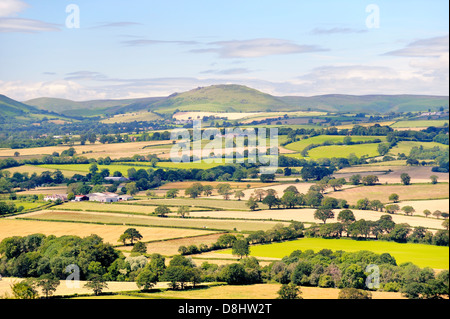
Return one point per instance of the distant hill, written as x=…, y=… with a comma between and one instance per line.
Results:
x=369, y=103
x=238, y=98
x=10, y=107
x=221, y=98
x=90, y=108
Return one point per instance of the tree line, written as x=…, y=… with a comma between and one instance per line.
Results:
x=339, y=269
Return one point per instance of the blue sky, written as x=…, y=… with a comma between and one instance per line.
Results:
x=137, y=48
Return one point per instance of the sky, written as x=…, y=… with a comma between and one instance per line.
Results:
x=109, y=49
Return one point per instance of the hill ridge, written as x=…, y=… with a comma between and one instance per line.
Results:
x=241, y=98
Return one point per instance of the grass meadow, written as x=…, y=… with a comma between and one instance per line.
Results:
x=416, y=124
x=367, y=150
x=382, y=192
x=419, y=254
x=110, y=233
x=406, y=146
x=300, y=145
x=151, y=221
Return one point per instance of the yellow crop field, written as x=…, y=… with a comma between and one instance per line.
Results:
x=109, y=233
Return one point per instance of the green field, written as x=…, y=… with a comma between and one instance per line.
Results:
x=406, y=146
x=26, y=205
x=368, y=150
x=217, y=204
x=300, y=145
x=131, y=117
x=421, y=255
x=343, y=151
x=415, y=124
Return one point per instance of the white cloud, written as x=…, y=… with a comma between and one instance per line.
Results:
x=143, y=42
x=22, y=91
x=337, y=30
x=10, y=23
x=257, y=48
x=11, y=7
x=431, y=47
x=26, y=25
x=427, y=59
x=363, y=79
x=422, y=77
x=228, y=71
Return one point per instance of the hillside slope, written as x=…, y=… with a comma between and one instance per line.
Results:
x=10, y=107
x=221, y=98
x=89, y=108
x=369, y=103
x=238, y=98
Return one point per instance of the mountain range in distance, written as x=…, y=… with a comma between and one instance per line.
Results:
x=223, y=98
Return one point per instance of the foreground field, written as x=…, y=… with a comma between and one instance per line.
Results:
x=109, y=233
x=259, y=291
x=421, y=255
x=66, y=290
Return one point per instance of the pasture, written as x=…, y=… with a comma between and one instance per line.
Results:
x=124, y=167
x=391, y=174
x=344, y=151
x=30, y=169
x=234, y=185
x=109, y=233
x=419, y=124
x=258, y=291
x=97, y=150
x=131, y=117
x=108, y=207
x=419, y=254
x=306, y=215
x=149, y=221
x=300, y=145
x=382, y=192
x=170, y=247
x=406, y=146
x=214, y=204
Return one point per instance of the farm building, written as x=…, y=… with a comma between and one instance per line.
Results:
x=125, y=197
x=116, y=179
x=54, y=198
x=81, y=198
x=103, y=197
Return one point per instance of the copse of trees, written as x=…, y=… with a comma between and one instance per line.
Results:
x=36, y=255
x=25, y=181
x=7, y=208
x=346, y=270
x=46, y=258
x=383, y=229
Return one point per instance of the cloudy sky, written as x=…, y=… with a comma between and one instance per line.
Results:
x=85, y=49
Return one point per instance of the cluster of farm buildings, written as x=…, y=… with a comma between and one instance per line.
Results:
x=105, y=197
